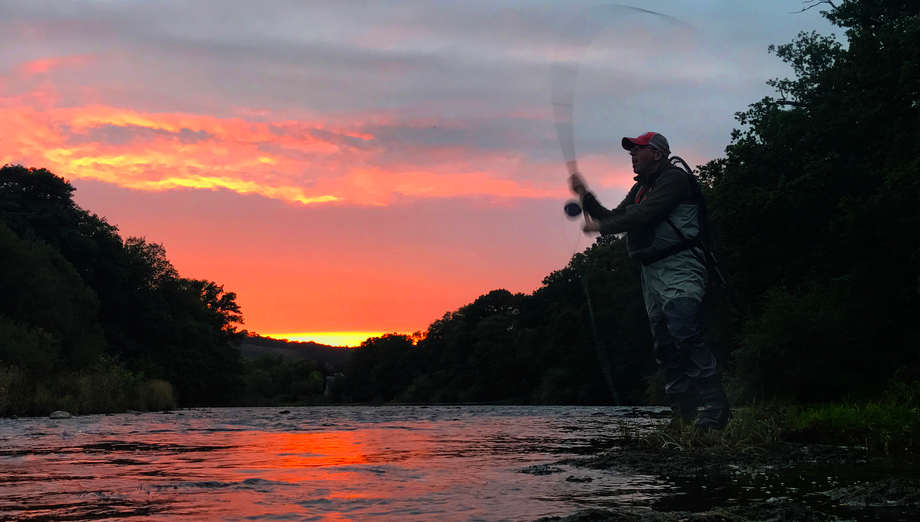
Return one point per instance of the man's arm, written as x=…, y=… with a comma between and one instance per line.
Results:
x=593, y=208
x=671, y=188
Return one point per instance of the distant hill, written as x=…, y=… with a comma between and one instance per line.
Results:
x=332, y=357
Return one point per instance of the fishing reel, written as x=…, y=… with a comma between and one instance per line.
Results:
x=572, y=209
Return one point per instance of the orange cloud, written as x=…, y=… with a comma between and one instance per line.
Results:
x=303, y=162
x=151, y=151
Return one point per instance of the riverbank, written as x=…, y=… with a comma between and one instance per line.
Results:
x=754, y=474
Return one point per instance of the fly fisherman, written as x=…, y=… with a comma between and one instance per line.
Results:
x=661, y=216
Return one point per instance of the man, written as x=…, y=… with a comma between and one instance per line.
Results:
x=661, y=216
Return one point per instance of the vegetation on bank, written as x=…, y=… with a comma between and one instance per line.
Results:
x=102, y=387
x=880, y=428
x=888, y=426
x=812, y=207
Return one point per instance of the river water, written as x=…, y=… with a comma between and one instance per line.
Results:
x=318, y=463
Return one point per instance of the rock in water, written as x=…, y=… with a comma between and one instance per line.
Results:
x=541, y=469
x=60, y=414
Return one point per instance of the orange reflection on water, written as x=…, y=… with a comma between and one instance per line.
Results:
x=277, y=473
x=295, y=456
x=315, y=473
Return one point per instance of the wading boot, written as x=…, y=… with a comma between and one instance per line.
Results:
x=683, y=410
x=714, y=411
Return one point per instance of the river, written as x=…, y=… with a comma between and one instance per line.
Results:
x=319, y=463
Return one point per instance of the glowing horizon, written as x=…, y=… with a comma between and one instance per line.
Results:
x=346, y=339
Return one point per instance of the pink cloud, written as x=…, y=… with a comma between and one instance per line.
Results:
x=298, y=161
x=46, y=65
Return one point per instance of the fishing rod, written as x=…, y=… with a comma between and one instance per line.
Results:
x=564, y=75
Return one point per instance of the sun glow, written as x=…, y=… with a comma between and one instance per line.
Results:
x=349, y=339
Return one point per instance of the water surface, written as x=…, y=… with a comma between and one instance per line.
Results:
x=318, y=463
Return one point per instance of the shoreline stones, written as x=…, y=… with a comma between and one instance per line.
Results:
x=60, y=414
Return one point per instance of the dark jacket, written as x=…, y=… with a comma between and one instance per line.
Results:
x=665, y=195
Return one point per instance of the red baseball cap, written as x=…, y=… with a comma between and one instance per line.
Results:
x=652, y=139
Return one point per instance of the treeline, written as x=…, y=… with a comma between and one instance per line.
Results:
x=506, y=347
x=816, y=204
x=93, y=322
x=277, y=372
x=254, y=346
x=814, y=210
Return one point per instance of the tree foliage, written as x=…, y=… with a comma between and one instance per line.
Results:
x=75, y=291
x=815, y=203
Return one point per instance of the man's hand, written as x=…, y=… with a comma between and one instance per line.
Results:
x=572, y=166
x=577, y=184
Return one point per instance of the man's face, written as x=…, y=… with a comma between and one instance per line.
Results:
x=644, y=158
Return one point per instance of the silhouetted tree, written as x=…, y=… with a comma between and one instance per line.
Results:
x=815, y=202
x=75, y=290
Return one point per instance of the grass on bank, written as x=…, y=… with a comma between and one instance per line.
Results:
x=888, y=427
x=750, y=428
x=882, y=428
x=106, y=387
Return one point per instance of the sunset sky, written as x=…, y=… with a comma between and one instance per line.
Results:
x=366, y=166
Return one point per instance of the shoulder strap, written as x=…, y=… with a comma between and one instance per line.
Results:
x=677, y=161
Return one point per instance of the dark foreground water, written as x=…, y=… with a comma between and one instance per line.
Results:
x=319, y=463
